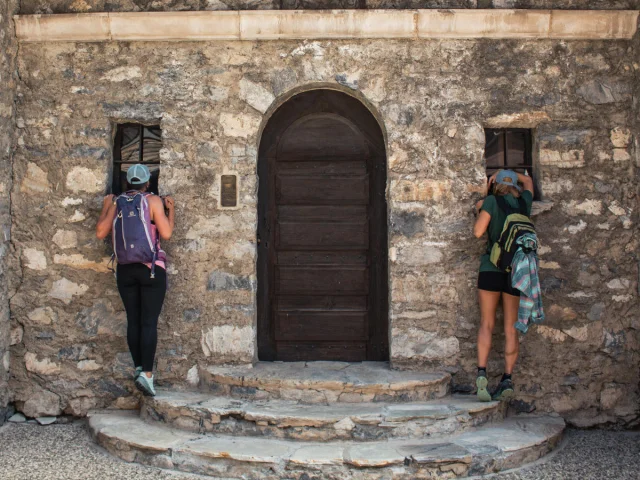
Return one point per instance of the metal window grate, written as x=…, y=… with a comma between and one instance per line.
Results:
x=509, y=148
x=136, y=143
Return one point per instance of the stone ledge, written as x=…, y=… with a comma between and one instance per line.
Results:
x=486, y=449
x=287, y=419
x=334, y=24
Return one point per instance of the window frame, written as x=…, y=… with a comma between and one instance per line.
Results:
x=117, y=151
x=529, y=165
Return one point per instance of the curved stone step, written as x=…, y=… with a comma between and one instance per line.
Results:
x=288, y=419
x=324, y=382
x=487, y=449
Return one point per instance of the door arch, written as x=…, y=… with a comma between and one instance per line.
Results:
x=322, y=232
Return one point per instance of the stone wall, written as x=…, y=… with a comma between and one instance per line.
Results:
x=433, y=98
x=91, y=6
x=8, y=51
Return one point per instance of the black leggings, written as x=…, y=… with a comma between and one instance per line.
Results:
x=142, y=297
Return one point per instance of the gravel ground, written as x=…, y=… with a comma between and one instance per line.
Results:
x=66, y=452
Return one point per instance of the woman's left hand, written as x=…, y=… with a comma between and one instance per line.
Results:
x=490, y=182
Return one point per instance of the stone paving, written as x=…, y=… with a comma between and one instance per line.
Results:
x=66, y=452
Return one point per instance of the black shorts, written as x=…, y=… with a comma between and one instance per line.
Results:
x=497, y=282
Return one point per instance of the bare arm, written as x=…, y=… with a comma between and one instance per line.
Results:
x=163, y=223
x=526, y=181
x=106, y=217
x=482, y=223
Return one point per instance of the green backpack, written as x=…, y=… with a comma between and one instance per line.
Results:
x=516, y=224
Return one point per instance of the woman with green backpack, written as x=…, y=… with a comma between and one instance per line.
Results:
x=506, y=196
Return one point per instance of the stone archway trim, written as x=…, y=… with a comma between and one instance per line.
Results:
x=328, y=24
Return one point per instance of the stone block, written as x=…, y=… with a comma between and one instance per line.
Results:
x=621, y=155
x=239, y=124
x=41, y=403
x=228, y=340
x=43, y=316
x=82, y=179
x=15, y=337
x=34, y=259
x=570, y=159
x=65, y=239
x=41, y=367
x=69, y=27
x=221, y=281
x=65, y=290
x=611, y=395
x=122, y=74
x=407, y=223
x=551, y=334
x=419, y=345
x=88, y=365
x=586, y=207
x=35, y=180
x=78, y=261
x=419, y=190
x=271, y=25
x=605, y=90
x=149, y=26
x=420, y=255
x=620, y=137
x=256, y=95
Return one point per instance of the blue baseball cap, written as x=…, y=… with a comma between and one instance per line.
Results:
x=508, y=177
x=138, y=174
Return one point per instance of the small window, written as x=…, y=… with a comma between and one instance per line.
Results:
x=135, y=143
x=509, y=148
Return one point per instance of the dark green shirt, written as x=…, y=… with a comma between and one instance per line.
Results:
x=497, y=223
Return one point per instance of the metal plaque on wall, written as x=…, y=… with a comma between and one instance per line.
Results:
x=228, y=190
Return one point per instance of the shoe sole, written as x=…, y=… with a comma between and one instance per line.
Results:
x=483, y=394
x=505, y=395
x=144, y=391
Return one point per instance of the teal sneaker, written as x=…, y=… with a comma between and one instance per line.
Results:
x=504, y=390
x=137, y=373
x=481, y=384
x=145, y=385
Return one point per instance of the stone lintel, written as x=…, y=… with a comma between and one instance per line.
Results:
x=328, y=24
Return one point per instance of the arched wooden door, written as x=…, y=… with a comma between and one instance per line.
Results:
x=322, y=232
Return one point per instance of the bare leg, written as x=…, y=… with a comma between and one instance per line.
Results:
x=488, y=305
x=510, y=305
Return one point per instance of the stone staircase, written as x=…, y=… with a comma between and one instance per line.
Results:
x=324, y=420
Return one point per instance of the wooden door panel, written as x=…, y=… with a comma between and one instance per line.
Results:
x=322, y=288
x=331, y=166
x=316, y=351
x=321, y=326
x=319, y=236
x=324, y=213
x=321, y=302
x=320, y=257
x=321, y=281
x=322, y=190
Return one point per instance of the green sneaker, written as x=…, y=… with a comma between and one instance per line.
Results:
x=504, y=390
x=481, y=384
x=137, y=374
x=145, y=385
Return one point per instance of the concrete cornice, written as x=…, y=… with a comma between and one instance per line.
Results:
x=328, y=24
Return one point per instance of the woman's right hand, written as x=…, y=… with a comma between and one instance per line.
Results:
x=168, y=203
x=107, y=201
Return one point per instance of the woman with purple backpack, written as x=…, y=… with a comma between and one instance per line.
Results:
x=137, y=221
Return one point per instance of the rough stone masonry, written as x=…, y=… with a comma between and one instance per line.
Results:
x=8, y=51
x=433, y=99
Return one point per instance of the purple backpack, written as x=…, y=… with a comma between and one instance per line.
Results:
x=132, y=237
